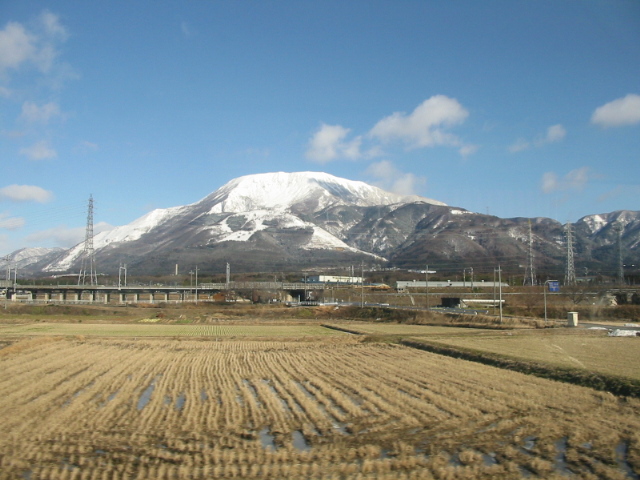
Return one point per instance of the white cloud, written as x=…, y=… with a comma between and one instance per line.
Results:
x=85, y=147
x=519, y=145
x=8, y=222
x=329, y=143
x=389, y=178
x=39, y=151
x=620, y=112
x=33, y=113
x=467, y=150
x=63, y=236
x=25, y=193
x=52, y=26
x=186, y=30
x=554, y=133
x=16, y=46
x=37, y=47
x=425, y=126
x=550, y=182
x=574, y=180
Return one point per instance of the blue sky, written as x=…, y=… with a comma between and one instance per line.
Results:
x=513, y=108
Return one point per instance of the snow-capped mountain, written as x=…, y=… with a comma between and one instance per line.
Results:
x=29, y=258
x=272, y=212
x=304, y=192
x=285, y=221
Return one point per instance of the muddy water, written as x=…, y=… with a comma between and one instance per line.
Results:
x=299, y=442
x=145, y=398
x=267, y=439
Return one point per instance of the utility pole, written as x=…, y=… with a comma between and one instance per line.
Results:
x=196, y=284
x=228, y=275
x=494, y=291
x=362, y=284
x=618, y=228
x=500, y=289
x=426, y=285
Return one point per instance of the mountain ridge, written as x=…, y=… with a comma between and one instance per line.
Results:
x=280, y=221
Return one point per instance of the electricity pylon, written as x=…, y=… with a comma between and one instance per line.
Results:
x=530, y=272
x=88, y=266
x=570, y=276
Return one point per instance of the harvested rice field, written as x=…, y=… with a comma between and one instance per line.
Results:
x=326, y=408
x=165, y=330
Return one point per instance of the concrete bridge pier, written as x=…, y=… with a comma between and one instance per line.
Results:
x=159, y=296
x=71, y=297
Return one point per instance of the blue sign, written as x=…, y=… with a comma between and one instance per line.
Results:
x=554, y=286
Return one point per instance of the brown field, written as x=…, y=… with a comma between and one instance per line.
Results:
x=407, y=329
x=150, y=329
x=589, y=350
x=329, y=408
x=583, y=349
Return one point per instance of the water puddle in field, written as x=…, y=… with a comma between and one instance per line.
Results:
x=560, y=460
x=488, y=427
x=529, y=443
x=489, y=459
x=145, y=398
x=203, y=395
x=26, y=475
x=167, y=400
x=182, y=398
x=454, y=460
x=267, y=440
x=77, y=394
x=299, y=442
x=109, y=398
x=622, y=451
x=68, y=465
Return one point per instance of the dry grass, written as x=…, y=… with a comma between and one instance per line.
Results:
x=405, y=329
x=98, y=408
x=585, y=350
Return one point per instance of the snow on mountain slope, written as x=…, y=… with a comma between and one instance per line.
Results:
x=137, y=228
x=282, y=191
x=27, y=256
x=272, y=203
x=596, y=223
x=125, y=233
